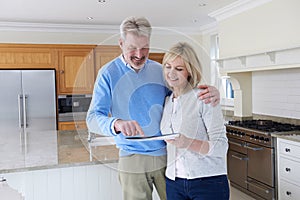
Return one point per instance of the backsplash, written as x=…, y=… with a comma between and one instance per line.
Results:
x=277, y=119
x=276, y=93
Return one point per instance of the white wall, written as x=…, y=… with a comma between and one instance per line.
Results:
x=271, y=26
x=276, y=93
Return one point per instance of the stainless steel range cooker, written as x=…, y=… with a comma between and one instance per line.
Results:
x=251, y=156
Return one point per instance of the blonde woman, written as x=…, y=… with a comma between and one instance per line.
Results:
x=196, y=160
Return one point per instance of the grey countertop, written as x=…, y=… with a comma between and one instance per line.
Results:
x=71, y=148
x=293, y=136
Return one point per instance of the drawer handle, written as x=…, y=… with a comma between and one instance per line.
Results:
x=287, y=150
x=288, y=193
x=287, y=169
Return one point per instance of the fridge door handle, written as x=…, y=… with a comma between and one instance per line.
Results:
x=20, y=103
x=25, y=110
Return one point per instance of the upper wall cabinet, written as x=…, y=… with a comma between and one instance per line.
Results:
x=76, y=65
x=27, y=56
x=104, y=54
x=76, y=70
x=156, y=56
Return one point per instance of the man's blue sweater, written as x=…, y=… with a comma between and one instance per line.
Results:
x=122, y=93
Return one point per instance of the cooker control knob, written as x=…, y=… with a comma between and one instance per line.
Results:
x=267, y=139
x=256, y=137
x=261, y=138
x=241, y=133
x=251, y=136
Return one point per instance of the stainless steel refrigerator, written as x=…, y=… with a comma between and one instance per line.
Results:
x=27, y=118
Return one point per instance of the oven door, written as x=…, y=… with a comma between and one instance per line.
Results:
x=237, y=162
x=261, y=164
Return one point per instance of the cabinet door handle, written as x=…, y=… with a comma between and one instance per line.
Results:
x=236, y=143
x=288, y=193
x=287, y=150
x=239, y=157
x=61, y=71
x=254, y=148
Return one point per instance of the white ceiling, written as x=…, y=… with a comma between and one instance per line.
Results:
x=164, y=13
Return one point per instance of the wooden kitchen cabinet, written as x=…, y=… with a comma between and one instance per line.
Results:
x=22, y=56
x=156, y=56
x=104, y=54
x=72, y=125
x=76, y=70
x=288, y=162
x=76, y=65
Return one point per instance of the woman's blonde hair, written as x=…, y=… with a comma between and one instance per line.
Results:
x=190, y=59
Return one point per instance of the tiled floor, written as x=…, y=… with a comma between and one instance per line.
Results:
x=238, y=195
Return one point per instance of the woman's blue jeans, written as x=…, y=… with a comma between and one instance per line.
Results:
x=208, y=188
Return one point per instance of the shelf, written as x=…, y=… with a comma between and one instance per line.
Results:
x=277, y=59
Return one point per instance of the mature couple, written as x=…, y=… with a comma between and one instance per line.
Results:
x=137, y=96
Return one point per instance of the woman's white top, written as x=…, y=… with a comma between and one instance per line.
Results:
x=190, y=116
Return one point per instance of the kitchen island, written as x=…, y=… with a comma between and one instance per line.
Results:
x=72, y=149
x=77, y=172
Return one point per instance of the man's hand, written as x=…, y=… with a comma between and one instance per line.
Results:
x=128, y=128
x=209, y=94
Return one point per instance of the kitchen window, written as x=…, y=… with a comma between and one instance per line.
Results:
x=229, y=94
x=222, y=83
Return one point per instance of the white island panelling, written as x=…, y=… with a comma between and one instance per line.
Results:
x=91, y=182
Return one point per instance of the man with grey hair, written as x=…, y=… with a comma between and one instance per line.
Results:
x=128, y=100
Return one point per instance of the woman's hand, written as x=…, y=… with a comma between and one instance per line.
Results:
x=197, y=146
x=181, y=141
